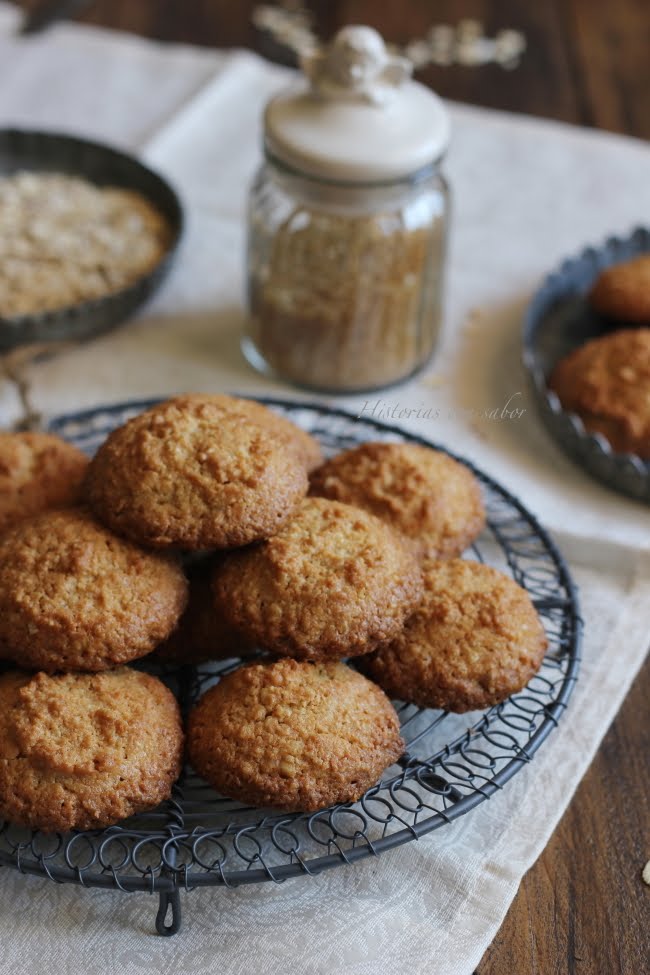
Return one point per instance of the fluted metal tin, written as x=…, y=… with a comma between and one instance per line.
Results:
x=49, y=151
x=559, y=320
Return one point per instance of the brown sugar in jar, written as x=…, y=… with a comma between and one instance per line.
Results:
x=347, y=243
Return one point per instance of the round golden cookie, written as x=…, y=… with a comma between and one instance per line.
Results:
x=297, y=440
x=201, y=633
x=475, y=640
x=73, y=596
x=607, y=383
x=335, y=582
x=38, y=471
x=196, y=474
x=622, y=291
x=430, y=498
x=293, y=735
x=83, y=751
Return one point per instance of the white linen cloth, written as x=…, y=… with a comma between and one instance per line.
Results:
x=527, y=193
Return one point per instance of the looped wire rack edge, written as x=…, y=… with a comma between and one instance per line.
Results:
x=451, y=764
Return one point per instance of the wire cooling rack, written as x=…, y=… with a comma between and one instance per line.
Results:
x=451, y=764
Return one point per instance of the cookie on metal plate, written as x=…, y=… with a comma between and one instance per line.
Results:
x=622, y=291
x=475, y=640
x=607, y=383
x=334, y=582
x=38, y=471
x=430, y=498
x=293, y=735
x=74, y=596
x=83, y=751
x=193, y=473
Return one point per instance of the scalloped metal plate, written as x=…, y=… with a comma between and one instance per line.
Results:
x=558, y=320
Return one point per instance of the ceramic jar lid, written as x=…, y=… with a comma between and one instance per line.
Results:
x=356, y=116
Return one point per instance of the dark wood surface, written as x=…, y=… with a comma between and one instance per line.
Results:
x=583, y=907
x=587, y=60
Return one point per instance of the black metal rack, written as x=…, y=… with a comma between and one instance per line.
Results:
x=452, y=762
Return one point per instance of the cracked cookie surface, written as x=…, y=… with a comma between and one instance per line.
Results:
x=335, y=582
x=74, y=596
x=475, y=640
x=194, y=473
x=83, y=751
x=293, y=735
x=431, y=499
x=38, y=471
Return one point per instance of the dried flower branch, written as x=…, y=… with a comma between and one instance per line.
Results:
x=443, y=45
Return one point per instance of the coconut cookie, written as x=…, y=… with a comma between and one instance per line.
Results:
x=38, y=471
x=194, y=473
x=293, y=735
x=431, y=499
x=475, y=640
x=74, y=596
x=335, y=582
x=83, y=751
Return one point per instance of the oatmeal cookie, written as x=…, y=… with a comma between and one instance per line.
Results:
x=607, y=383
x=37, y=471
x=195, y=474
x=73, y=596
x=293, y=735
x=335, y=582
x=432, y=500
x=622, y=292
x=475, y=640
x=83, y=751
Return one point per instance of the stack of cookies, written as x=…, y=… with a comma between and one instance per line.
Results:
x=301, y=562
x=606, y=381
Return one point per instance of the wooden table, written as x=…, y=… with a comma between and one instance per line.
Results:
x=583, y=907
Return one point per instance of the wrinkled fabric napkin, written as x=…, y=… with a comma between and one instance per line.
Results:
x=527, y=193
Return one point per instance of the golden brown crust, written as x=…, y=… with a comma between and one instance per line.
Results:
x=475, y=640
x=293, y=735
x=622, y=291
x=193, y=473
x=607, y=383
x=306, y=447
x=201, y=633
x=83, y=751
x=431, y=499
x=73, y=596
x=38, y=471
x=335, y=582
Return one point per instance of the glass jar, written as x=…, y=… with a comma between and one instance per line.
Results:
x=347, y=223
x=344, y=281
